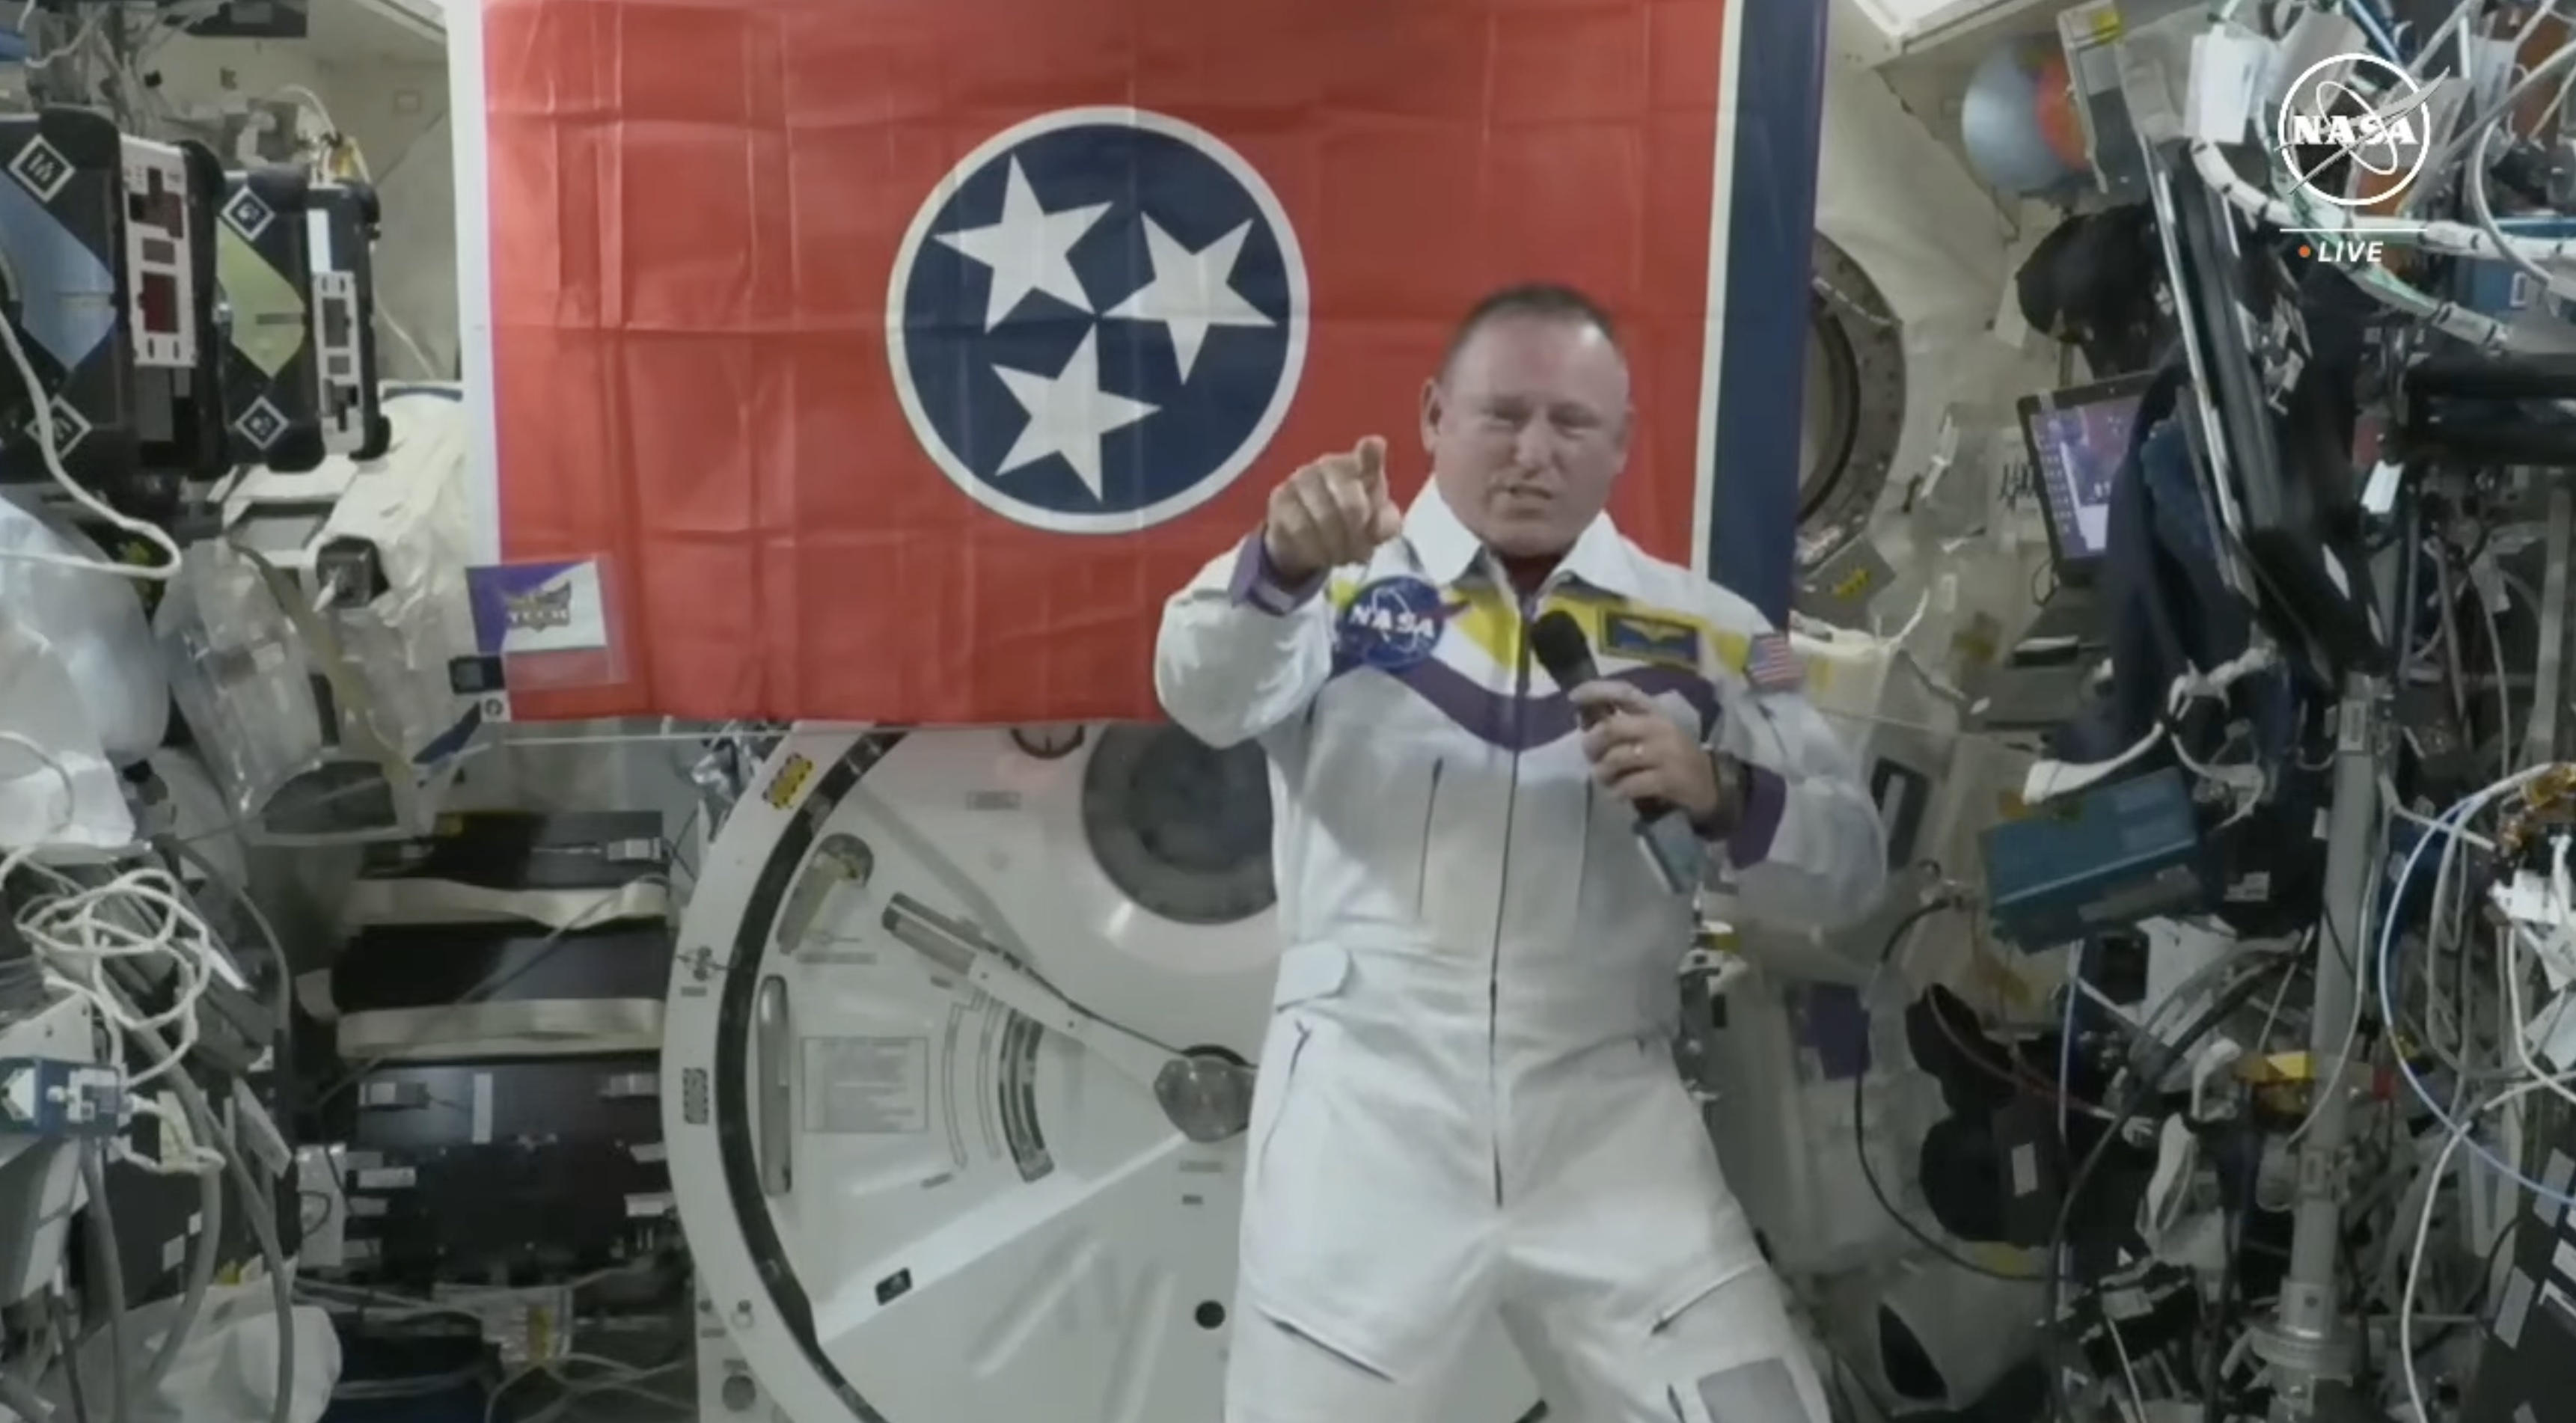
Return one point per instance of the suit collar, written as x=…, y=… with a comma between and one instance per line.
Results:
x=1448, y=552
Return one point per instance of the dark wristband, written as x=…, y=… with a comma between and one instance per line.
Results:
x=1728, y=776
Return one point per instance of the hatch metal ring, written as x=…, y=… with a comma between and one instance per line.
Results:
x=1855, y=403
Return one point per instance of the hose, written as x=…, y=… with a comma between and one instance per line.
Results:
x=22, y=1400
x=201, y=1276
x=208, y=1245
x=202, y=1251
x=263, y=1222
x=109, y=1265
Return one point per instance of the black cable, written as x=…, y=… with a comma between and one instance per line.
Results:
x=2143, y=1076
x=1860, y=1121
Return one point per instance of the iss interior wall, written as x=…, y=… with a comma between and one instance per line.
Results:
x=415, y=177
x=1898, y=200
x=1901, y=204
x=396, y=109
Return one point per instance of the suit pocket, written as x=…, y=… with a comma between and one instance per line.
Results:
x=1301, y=1035
x=1308, y=975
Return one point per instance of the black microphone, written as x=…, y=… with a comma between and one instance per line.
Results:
x=1679, y=856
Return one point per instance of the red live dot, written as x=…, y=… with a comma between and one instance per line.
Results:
x=2304, y=252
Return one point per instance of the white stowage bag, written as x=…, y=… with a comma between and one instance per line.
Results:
x=56, y=786
x=94, y=625
x=226, y=1372
x=80, y=695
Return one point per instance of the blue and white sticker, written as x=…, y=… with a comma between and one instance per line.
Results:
x=527, y=608
x=1393, y=624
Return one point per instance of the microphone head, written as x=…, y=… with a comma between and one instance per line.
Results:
x=1557, y=640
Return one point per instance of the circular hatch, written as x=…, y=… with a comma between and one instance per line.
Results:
x=908, y=1081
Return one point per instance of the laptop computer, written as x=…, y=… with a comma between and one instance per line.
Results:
x=2078, y=437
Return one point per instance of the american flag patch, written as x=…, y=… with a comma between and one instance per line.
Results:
x=1771, y=665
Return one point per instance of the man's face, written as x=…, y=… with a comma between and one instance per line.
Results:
x=1527, y=429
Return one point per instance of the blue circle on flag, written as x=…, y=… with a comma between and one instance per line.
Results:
x=1098, y=320
x=1392, y=624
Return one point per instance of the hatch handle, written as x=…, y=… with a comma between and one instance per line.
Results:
x=773, y=1051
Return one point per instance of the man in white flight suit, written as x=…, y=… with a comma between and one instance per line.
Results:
x=1467, y=1100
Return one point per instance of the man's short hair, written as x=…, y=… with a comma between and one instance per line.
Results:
x=1545, y=301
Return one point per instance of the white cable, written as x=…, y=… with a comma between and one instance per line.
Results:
x=2433, y=45
x=2388, y=799
x=82, y=36
x=2128, y=1369
x=2438, y=166
x=1893, y=644
x=2459, y=1134
x=73, y=934
x=2556, y=1082
x=2049, y=779
x=2245, y=781
x=2561, y=898
x=620, y=1377
x=2482, y=208
x=2482, y=331
x=2502, y=1164
x=141, y=913
x=50, y=449
x=2539, y=13
x=429, y=369
x=2453, y=238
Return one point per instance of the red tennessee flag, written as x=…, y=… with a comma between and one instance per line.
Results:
x=896, y=358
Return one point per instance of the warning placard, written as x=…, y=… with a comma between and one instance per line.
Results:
x=866, y=1086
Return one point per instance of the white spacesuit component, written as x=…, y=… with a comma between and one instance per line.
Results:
x=1467, y=1101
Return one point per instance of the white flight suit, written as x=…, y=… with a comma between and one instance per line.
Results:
x=1467, y=1101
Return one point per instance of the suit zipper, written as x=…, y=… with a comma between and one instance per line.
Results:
x=1502, y=897
x=1422, y=865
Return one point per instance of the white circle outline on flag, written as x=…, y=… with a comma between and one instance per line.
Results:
x=2281, y=128
x=1292, y=260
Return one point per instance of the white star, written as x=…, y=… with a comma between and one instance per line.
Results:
x=1191, y=291
x=1029, y=250
x=1068, y=413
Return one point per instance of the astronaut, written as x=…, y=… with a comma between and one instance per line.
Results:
x=1467, y=1102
